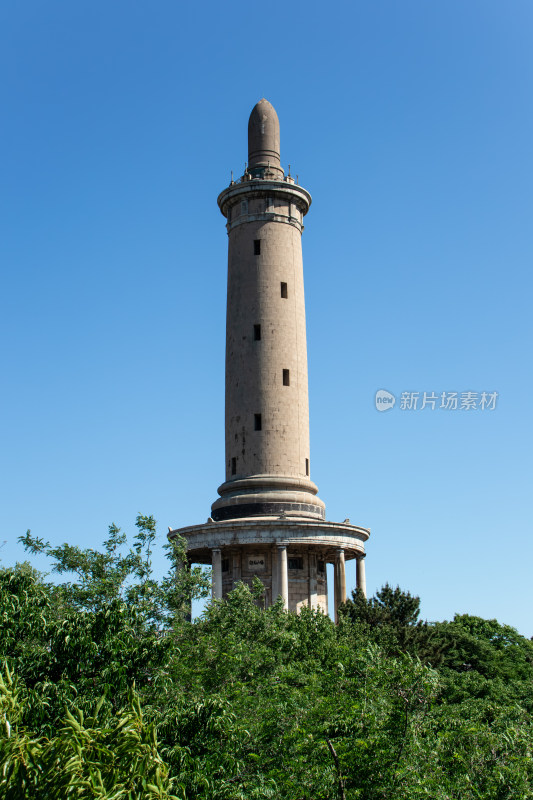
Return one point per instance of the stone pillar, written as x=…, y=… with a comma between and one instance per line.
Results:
x=335, y=588
x=312, y=580
x=283, y=576
x=360, y=577
x=216, y=563
x=275, y=574
x=342, y=575
x=340, y=581
x=236, y=568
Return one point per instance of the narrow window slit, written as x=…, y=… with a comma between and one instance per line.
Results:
x=233, y=466
x=257, y=422
x=257, y=247
x=284, y=292
x=257, y=333
x=286, y=377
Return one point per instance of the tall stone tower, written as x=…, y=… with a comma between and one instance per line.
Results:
x=268, y=520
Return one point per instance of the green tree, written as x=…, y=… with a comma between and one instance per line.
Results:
x=248, y=703
x=113, y=758
x=110, y=574
x=388, y=607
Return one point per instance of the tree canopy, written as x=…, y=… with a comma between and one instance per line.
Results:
x=109, y=691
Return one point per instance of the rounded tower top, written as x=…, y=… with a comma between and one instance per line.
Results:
x=263, y=138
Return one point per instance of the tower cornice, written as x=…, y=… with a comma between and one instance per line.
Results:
x=291, y=192
x=258, y=532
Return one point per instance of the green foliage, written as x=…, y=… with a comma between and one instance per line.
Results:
x=389, y=607
x=107, y=575
x=115, y=758
x=247, y=703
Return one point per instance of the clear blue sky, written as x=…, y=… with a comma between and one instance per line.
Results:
x=411, y=124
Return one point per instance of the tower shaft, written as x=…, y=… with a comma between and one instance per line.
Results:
x=267, y=407
x=266, y=355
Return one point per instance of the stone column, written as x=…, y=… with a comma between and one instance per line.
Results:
x=335, y=588
x=340, y=581
x=216, y=563
x=275, y=574
x=312, y=580
x=360, y=577
x=283, y=572
x=236, y=567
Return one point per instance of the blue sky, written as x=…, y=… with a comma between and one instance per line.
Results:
x=411, y=125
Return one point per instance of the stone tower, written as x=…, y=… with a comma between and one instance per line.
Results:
x=268, y=520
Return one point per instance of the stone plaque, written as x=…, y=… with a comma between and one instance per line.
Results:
x=256, y=563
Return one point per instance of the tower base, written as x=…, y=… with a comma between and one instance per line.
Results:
x=288, y=555
x=268, y=496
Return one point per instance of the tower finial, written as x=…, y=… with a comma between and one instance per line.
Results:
x=263, y=138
